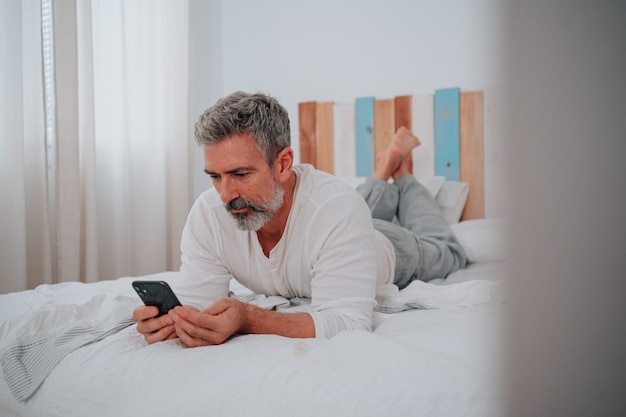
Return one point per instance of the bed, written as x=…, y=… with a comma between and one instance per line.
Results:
x=435, y=350
x=72, y=349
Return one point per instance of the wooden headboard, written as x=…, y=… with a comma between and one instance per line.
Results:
x=343, y=138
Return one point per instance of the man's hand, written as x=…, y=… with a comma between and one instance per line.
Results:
x=155, y=329
x=228, y=316
x=212, y=326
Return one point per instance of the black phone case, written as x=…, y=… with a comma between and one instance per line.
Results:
x=156, y=293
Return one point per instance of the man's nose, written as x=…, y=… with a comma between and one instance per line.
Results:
x=228, y=190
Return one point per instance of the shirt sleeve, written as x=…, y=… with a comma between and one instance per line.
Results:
x=344, y=268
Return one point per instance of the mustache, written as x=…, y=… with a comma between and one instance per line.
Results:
x=240, y=203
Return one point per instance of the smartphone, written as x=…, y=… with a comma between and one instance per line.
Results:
x=156, y=293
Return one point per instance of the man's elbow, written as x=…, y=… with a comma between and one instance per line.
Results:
x=328, y=324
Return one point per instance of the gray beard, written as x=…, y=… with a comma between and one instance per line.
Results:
x=260, y=212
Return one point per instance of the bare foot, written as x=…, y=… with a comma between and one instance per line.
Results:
x=403, y=141
x=399, y=149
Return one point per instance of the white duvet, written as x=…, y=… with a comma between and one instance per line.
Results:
x=442, y=359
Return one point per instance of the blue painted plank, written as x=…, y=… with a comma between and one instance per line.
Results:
x=447, y=149
x=364, y=136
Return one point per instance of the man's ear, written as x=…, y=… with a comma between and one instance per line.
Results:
x=284, y=164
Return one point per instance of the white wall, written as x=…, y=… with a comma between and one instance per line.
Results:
x=328, y=50
x=205, y=72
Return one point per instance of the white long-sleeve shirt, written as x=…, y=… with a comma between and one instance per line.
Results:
x=329, y=252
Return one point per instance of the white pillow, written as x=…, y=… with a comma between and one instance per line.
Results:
x=433, y=184
x=483, y=239
x=451, y=199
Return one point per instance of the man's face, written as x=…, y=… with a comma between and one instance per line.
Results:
x=246, y=184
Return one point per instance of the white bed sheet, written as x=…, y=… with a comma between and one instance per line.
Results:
x=444, y=362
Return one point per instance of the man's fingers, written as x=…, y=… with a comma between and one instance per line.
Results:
x=154, y=329
x=197, y=329
x=192, y=323
x=151, y=325
x=145, y=312
x=194, y=336
x=219, y=306
x=194, y=317
x=165, y=333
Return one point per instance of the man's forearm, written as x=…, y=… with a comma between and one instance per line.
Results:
x=260, y=321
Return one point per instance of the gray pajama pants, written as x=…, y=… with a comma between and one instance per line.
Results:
x=407, y=214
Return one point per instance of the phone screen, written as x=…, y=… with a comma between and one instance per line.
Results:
x=156, y=293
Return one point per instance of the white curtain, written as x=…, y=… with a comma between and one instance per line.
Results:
x=23, y=218
x=94, y=170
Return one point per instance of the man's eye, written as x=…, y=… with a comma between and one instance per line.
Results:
x=241, y=174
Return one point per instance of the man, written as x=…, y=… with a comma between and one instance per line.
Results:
x=293, y=231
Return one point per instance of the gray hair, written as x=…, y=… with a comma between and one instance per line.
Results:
x=260, y=115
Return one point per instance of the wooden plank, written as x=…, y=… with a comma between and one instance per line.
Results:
x=424, y=129
x=364, y=134
x=403, y=112
x=472, y=152
x=345, y=143
x=403, y=117
x=447, y=157
x=324, y=137
x=384, y=124
x=306, y=121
